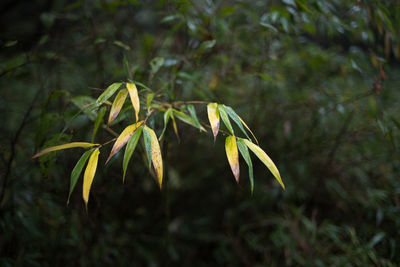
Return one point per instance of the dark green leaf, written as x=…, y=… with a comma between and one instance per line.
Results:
x=147, y=144
x=130, y=148
x=99, y=121
x=232, y=114
x=225, y=118
x=244, y=151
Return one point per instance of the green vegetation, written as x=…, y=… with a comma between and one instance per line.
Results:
x=315, y=81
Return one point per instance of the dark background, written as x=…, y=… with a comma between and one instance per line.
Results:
x=317, y=82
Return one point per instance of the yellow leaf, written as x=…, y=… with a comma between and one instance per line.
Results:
x=123, y=138
x=90, y=171
x=156, y=155
x=64, y=146
x=265, y=159
x=232, y=155
x=213, y=117
x=133, y=94
x=117, y=105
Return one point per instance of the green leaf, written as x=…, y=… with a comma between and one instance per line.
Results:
x=107, y=93
x=76, y=172
x=235, y=117
x=225, y=118
x=265, y=159
x=148, y=101
x=99, y=121
x=167, y=116
x=193, y=114
x=186, y=119
x=130, y=148
x=244, y=151
x=147, y=144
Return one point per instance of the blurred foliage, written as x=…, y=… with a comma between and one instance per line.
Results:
x=316, y=80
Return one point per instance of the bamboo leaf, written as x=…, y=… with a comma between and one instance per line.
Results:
x=175, y=127
x=64, y=146
x=76, y=172
x=235, y=117
x=133, y=94
x=98, y=121
x=155, y=154
x=244, y=151
x=193, y=115
x=107, y=93
x=147, y=145
x=232, y=155
x=213, y=117
x=186, y=119
x=167, y=116
x=148, y=101
x=123, y=138
x=117, y=105
x=89, y=175
x=130, y=148
x=225, y=118
x=265, y=159
x=247, y=127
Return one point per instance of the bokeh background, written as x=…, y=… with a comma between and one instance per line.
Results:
x=317, y=81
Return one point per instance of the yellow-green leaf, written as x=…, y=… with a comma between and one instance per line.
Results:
x=107, y=93
x=265, y=159
x=123, y=138
x=117, y=105
x=156, y=155
x=232, y=155
x=90, y=171
x=133, y=94
x=64, y=146
x=213, y=117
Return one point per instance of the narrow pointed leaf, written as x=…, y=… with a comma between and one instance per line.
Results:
x=225, y=118
x=130, y=148
x=175, y=127
x=64, y=146
x=88, y=176
x=247, y=127
x=123, y=138
x=213, y=117
x=265, y=159
x=244, y=151
x=133, y=94
x=98, y=121
x=117, y=105
x=147, y=145
x=76, y=172
x=193, y=115
x=156, y=155
x=167, y=116
x=232, y=155
x=186, y=119
x=235, y=117
x=148, y=101
x=107, y=93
